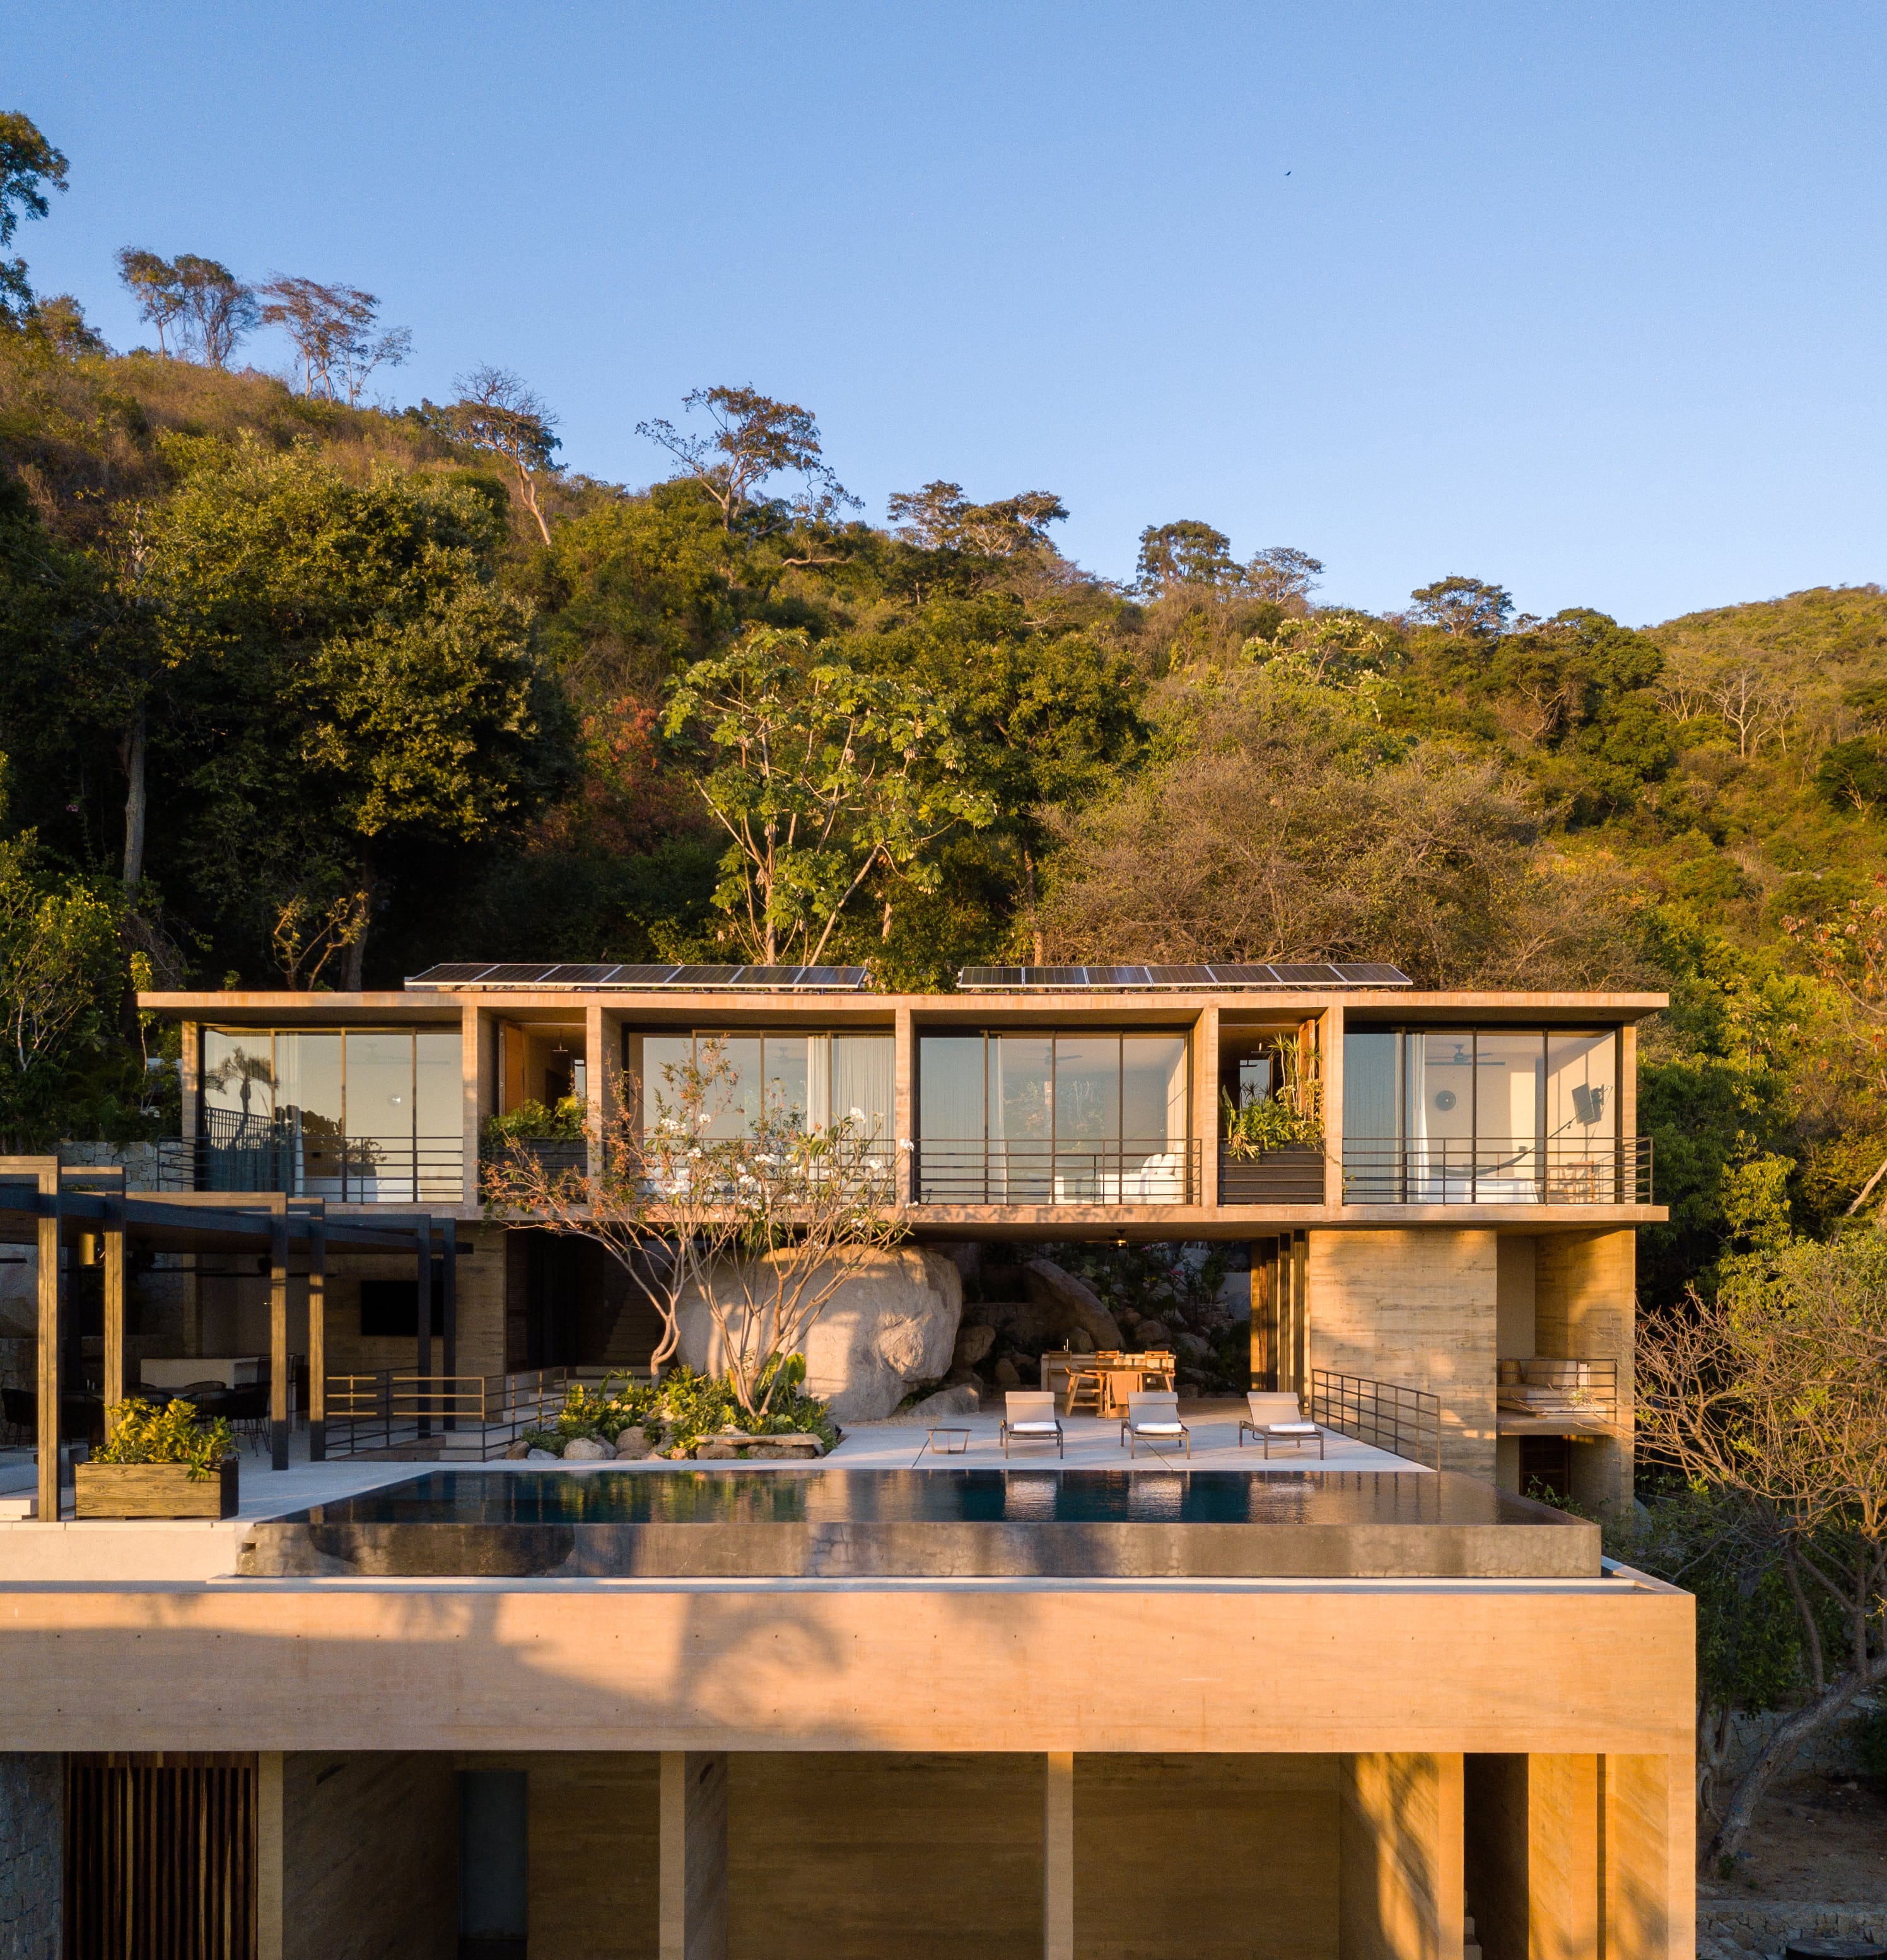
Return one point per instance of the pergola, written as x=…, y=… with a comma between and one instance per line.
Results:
x=48, y=1206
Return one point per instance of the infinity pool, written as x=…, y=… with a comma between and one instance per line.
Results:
x=864, y=1523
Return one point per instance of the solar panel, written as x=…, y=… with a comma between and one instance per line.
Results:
x=701, y=976
x=1373, y=973
x=645, y=976
x=1236, y=975
x=577, y=976
x=518, y=976
x=768, y=976
x=453, y=973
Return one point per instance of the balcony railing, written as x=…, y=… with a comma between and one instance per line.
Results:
x=1406, y=1422
x=1144, y=1171
x=238, y=1153
x=1558, y=1394
x=1496, y=1170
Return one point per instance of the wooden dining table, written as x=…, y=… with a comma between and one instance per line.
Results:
x=1121, y=1375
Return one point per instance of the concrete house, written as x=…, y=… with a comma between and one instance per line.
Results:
x=1372, y=1703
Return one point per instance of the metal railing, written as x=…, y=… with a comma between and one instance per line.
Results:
x=1108, y=1172
x=396, y=1409
x=553, y=1155
x=1406, y=1422
x=235, y=1152
x=1581, y=1390
x=1496, y=1170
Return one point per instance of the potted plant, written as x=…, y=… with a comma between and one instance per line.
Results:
x=1273, y=1149
x=160, y=1463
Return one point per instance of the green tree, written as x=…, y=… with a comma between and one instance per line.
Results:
x=751, y=438
x=496, y=412
x=1464, y=609
x=29, y=167
x=364, y=681
x=1185, y=553
x=218, y=309
x=820, y=775
x=157, y=292
x=940, y=518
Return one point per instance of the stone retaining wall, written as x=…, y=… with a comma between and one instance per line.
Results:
x=1728, y=1929
x=32, y=1855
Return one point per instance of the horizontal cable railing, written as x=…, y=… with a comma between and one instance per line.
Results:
x=1406, y=1422
x=1582, y=1389
x=482, y=1413
x=238, y=1153
x=1129, y=1171
x=1497, y=1170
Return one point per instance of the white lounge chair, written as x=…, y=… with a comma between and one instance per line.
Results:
x=1153, y=1416
x=1268, y=1407
x=1029, y=1417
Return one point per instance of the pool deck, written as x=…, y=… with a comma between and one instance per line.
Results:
x=158, y=1550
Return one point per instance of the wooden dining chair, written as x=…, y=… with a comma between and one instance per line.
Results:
x=1087, y=1391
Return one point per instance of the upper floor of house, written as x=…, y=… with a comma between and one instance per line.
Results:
x=1134, y=1102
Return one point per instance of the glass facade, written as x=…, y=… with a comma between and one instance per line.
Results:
x=1486, y=1116
x=817, y=1078
x=1053, y=1119
x=356, y=1114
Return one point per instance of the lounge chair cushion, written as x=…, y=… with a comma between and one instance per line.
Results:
x=1033, y=1428
x=1291, y=1428
x=1160, y=1429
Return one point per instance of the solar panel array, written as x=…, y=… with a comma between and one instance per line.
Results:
x=1277, y=973
x=545, y=978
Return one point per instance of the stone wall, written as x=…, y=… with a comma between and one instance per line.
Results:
x=32, y=1855
x=1729, y=1930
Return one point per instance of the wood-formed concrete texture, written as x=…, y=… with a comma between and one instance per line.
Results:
x=1585, y=1310
x=819, y=1855
x=1419, y=1309
x=1591, y=1665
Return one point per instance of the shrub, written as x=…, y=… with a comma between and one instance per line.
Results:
x=531, y=1121
x=685, y=1409
x=142, y=1432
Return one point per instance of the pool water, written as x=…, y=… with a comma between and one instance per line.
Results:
x=823, y=1497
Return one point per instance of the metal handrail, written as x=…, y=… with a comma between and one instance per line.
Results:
x=1497, y=1170
x=1109, y=1171
x=393, y=1408
x=1406, y=1422
x=1588, y=1383
x=236, y=1152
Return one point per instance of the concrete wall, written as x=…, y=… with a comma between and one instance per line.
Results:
x=370, y=1857
x=1399, y=1830
x=32, y=1854
x=1418, y=1308
x=1215, y=1856
x=1585, y=1296
x=595, y=1855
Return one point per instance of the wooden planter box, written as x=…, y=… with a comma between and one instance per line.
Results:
x=1291, y=1175
x=154, y=1490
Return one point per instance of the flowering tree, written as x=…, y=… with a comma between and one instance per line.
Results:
x=763, y=1226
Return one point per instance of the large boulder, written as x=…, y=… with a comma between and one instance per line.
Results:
x=893, y=1321
x=1072, y=1301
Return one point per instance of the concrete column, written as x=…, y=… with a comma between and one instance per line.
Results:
x=317, y=1339
x=1331, y=1036
x=1205, y=1103
x=52, y=1285
x=1057, y=1858
x=475, y=1069
x=32, y=1855
x=1647, y=1852
x=1399, y=1837
x=904, y=1104
x=278, y=1334
x=693, y=1911
x=269, y=1854
x=603, y=1068
x=114, y=1386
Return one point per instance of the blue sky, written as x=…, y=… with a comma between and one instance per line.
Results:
x=1586, y=299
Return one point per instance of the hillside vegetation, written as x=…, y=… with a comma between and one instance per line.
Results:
x=299, y=692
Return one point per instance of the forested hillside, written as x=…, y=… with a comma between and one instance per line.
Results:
x=298, y=692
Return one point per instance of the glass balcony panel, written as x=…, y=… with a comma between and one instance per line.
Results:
x=1438, y=1103
x=787, y=1073
x=1155, y=1119
x=439, y=1113
x=312, y=1109
x=864, y=1084
x=665, y=1060
x=1509, y=1071
x=1372, y=1165
x=1582, y=1116
x=239, y=1073
x=380, y=1117
x=1021, y=1107
x=732, y=1097
x=1087, y=1089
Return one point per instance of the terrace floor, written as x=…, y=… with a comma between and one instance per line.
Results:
x=158, y=1549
